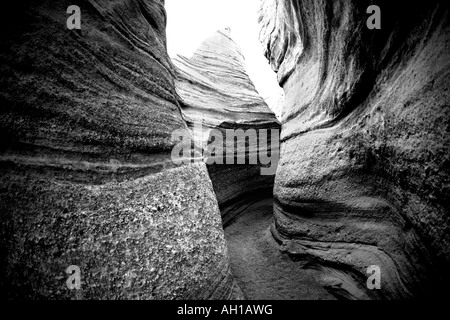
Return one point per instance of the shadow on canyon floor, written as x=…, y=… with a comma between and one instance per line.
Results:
x=260, y=268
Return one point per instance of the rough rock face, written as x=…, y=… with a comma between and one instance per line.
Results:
x=217, y=93
x=86, y=175
x=363, y=177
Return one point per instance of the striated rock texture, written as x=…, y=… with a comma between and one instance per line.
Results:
x=217, y=94
x=363, y=177
x=86, y=174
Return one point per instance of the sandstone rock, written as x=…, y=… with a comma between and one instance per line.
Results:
x=217, y=93
x=86, y=174
x=363, y=177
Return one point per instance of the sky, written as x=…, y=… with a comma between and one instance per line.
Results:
x=191, y=22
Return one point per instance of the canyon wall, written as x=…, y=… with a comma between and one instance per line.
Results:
x=363, y=177
x=217, y=94
x=86, y=171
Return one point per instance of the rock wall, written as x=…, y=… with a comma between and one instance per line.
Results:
x=86, y=174
x=216, y=93
x=363, y=177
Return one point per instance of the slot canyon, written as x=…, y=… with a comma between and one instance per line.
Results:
x=89, y=120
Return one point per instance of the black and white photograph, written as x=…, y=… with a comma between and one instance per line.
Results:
x=217, y=150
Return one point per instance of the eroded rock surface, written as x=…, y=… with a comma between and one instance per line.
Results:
x=217, y=93
x=86, y=174
x=261, y=269
x=363, y=177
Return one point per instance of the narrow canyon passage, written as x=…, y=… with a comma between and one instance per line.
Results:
x=102, y=192
x=260, y=268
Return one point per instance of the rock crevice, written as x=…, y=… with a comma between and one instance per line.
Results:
x=217, y=94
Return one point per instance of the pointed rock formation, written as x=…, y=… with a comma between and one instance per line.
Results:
x=86, y=172
x=215, y=88
x=216, y=92
x=363, y=177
